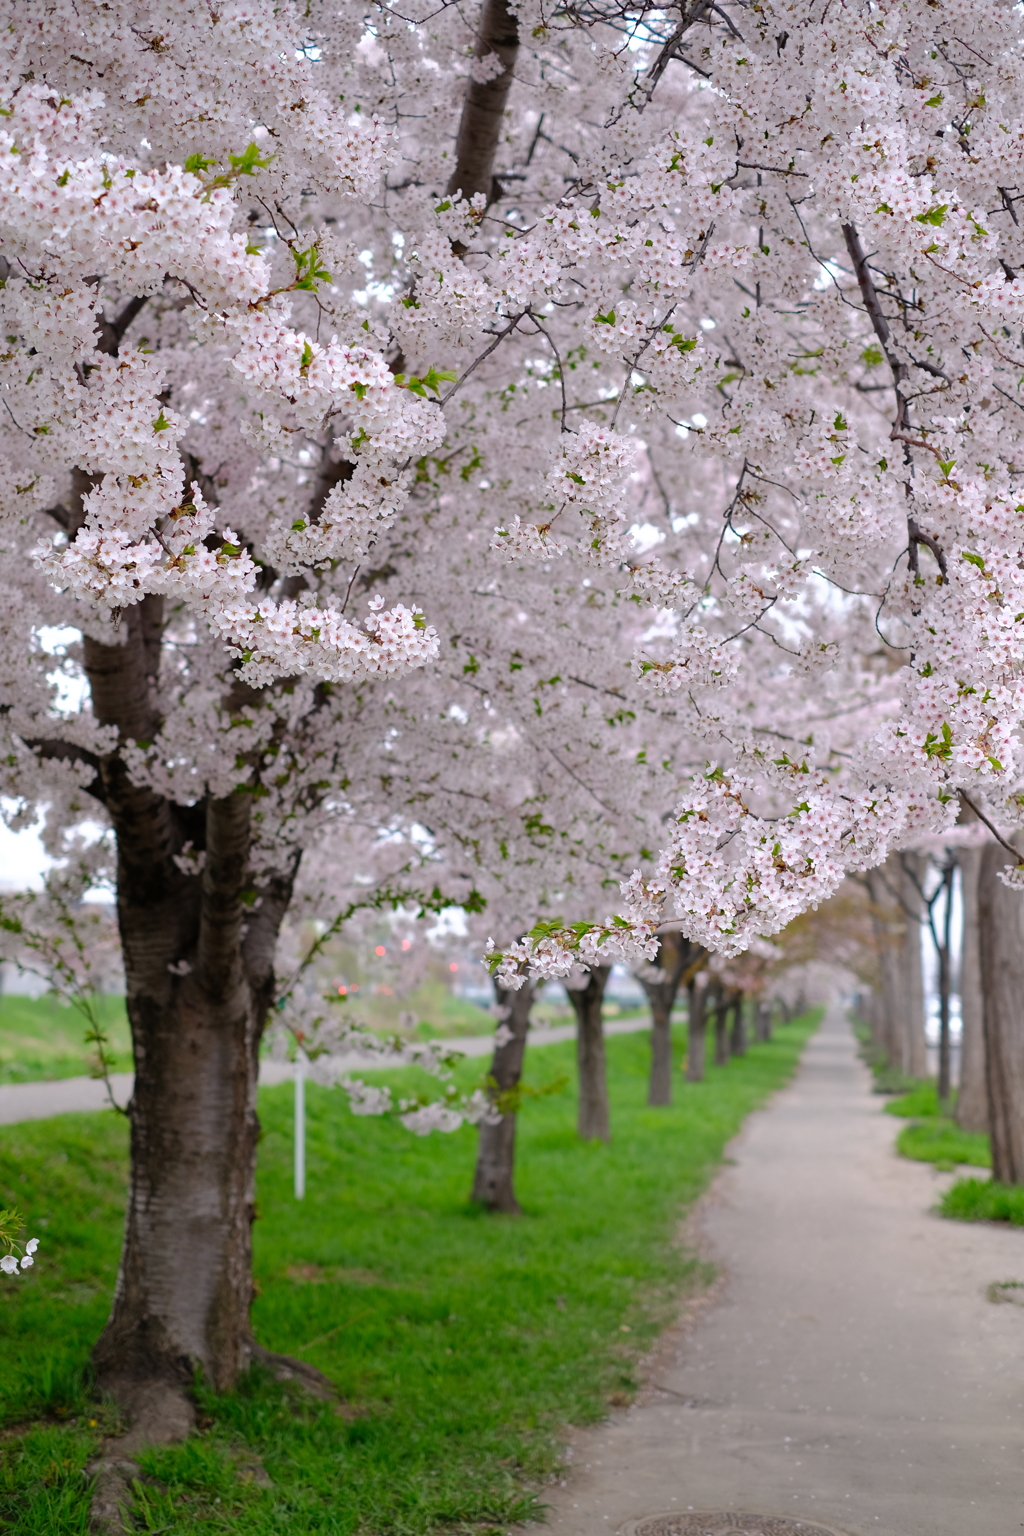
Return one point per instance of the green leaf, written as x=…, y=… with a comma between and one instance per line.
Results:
x=608, y=319
x=161, y=424
x=308, y=270
x=248, y=162
x=933, y=216
x=198, y=163
x=934, y=101
x=307, y=357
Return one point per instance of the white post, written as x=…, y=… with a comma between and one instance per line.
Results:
x=300, y=1126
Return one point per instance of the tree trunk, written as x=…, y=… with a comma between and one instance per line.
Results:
x=675, y=954
x=199, y=982
x=495, y=1158
x=484, y=106
x=972, y=1096
x=1001, y=924
x=696, y=1031
x=945, y=957
x=592, y=1122
x=888, y=923
x=762, y=1021
x=738, y=1038
x=914, y=1055
x=721, y=1007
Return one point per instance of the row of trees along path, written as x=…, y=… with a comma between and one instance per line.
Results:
x=646, y=516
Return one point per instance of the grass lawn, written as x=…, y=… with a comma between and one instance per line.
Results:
x=462, y=1344
x=42, y=1038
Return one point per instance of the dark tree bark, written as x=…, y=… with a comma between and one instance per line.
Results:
x=914, y=1057
x=972, y=1097
x=738, y=1037
x=1001, y=923
x=721, y=1008
x=762, y=1021
x=943, y=950
x=495, y=1158
x=199, y=981
x=198, y=957
x=592, y=1121
x=696, y=1032
x=675, y=956
x=888, y=921
x=484, y=106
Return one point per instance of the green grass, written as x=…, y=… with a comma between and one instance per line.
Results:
x=984, y=1200
x=42, y=1038
x=943, y=1142
x=462, y=1344
x=934, y=1137
x=919, y=1103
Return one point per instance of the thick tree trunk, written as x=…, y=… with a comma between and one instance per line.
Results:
x=738, y=1037
x=1001, y=924
x=484, y=105
x=762, y=1021
x=495, y=1158
x=592, y=1121
x=972, y=1096
x=696, y=1032
x=199, y=981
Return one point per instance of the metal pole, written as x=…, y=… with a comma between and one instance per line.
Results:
x=300, y=1126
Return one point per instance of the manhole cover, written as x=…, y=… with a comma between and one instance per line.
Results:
x=725, y=1523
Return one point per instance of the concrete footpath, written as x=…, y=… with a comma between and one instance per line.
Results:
x=853, y=1371
x=38, y=1101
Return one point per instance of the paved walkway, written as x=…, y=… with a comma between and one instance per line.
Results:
x=38, y=1101
x=854, y=1371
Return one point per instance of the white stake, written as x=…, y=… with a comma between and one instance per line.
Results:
x=300, y=1126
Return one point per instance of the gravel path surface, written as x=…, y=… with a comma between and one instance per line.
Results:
x=38, y=1101
x=853, y=1371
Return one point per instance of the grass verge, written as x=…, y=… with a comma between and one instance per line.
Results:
x=984, y=1200
x=934, y=1137
x=461, y=1344
x=943, y=1143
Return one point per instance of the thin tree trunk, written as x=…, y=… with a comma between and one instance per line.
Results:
x=484, y=106
x=738, y=1038
x=972, y=1096
x=592, y=1122
x=495, y=1158
x=659, y=1092
x=944, y=953
x=914, y=1054
x=721, y=1029
x=1001, y=924
x=696, y=1031
x=762, y=1021
x=675, y=955
x=888, y=923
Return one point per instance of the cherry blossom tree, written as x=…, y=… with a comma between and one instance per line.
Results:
x=449, y=417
